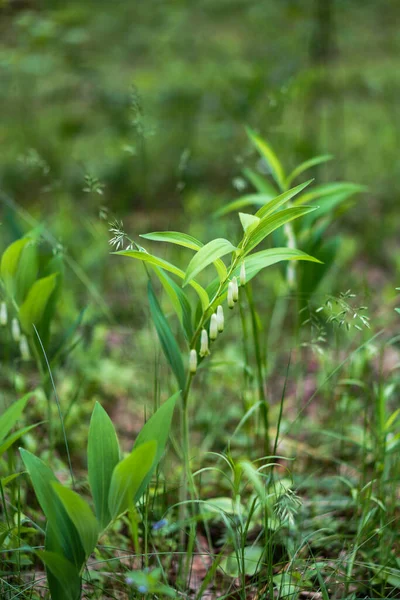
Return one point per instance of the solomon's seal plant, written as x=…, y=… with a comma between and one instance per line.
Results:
x=198, y=307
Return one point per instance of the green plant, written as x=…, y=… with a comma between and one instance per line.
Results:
x=203, y=320
x=72, y=529
x=332, y=198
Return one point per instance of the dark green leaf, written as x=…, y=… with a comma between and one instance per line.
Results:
x=168, y=343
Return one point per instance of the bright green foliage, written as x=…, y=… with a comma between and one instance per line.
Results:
x=128, y=477
x=81, y=516
x=31, y=283
x=72, y=528
x=207, y=255
x=103, y=456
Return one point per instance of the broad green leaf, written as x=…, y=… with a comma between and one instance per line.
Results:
x=265, y=150
x=66, y=577
x=167, y=340
x=11, y=415
x=249, y=200
x=207, y=255
x=81, y=515
x=308, y=164
x=32, y=310
x=103, y=456
x=128, y=477
x=273, y=222
x=262, y=185
x=27, y=271
x=64, y=531
x=157, y=429
x=250, y=561
x=182, y=239
x=275, y=203
x=159, y=262
x=249, y=222
x=9, y=263
x=179, y=300
x=266, y=258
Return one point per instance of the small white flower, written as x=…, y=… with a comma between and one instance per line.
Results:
x=220, y=319
x=24, y=348
x=15, y=330
x=231, y=302
x=193, y=361
x=243, y=274
x=204, y=351
x=213, y=327
x=235, y=293
x=3, y=314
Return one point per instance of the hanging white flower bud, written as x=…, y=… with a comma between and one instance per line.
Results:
x=220, y=319
x=235, y=293
x=213, y=327
x=3, y=314
x=231, y=302
x=243, y=274
x=24, y=348
x=193, y=362
x=15, y=330
x=204, y=351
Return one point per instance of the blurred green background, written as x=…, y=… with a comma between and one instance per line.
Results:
x=133, y=107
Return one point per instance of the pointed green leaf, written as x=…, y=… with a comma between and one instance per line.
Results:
x=32, y=310
x=103, y=456
x=11, y=415
x=207, y=255
x=173, y=237
x=81, y=515
x=159, y=262
x=14, y=437
x=266, y=152
x=277, y=202
x=308, y=164
x=266, y=258
x=249, y=222
x=157, y=429
x=327, y=189
x=273, y=222
x=168, y=342
x=128, y=476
